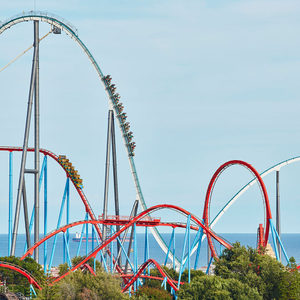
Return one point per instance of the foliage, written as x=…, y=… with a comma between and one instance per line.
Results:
x=17, y=282
x=214, y=287
x=83, y=285
x=147, y=292
x=172, y=274
x=270, y=277
x=63, y=268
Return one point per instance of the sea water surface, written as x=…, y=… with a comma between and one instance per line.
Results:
x=290, y=241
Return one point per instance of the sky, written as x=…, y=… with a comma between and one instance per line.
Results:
x=202, y=82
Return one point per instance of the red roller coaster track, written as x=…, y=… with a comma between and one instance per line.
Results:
x=142, y=220
x=79, y=191
x=210, y=189
x=22, y=271
x=93, y=222
x=134, y=220
x=142, y=268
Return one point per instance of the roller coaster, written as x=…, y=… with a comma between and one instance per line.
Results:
x=107, y=230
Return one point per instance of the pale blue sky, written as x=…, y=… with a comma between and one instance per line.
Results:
x=202, y=82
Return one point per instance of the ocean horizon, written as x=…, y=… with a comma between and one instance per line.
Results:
x=291, y=242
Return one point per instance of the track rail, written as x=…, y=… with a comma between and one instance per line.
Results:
x=22, y=271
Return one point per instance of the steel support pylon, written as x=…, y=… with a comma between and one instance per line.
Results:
x=33, y=94
x=111, y=145
x=278, y=227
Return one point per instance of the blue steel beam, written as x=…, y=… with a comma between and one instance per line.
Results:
x=81, y=235
x=45, y=210
x=183, y=248
x=58, y=223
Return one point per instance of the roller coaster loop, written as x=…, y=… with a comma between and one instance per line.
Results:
x=210, y=190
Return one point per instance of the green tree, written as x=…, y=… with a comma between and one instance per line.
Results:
x=83, y=285
x=217, y=288
x=270, y=277
x=147, y=292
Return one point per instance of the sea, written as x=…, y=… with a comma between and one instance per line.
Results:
x=291, y=242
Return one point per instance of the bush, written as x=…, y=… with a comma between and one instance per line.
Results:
x=147, y=292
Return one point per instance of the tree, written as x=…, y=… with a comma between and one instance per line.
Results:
x=215, y=288
x=83, y=285
x=147, y=292
x=270, y=277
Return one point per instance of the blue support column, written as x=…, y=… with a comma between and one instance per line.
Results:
x=146, y=253
x=67, y=251
x=135, y=254
x=66, y=240
x=45, y=212
x=189, y=251
x=164, y=283
x=111, y=253
x=208, y=267
x=183, y=248
x=87, y=237
x=199, y=247
x=81, y=235
x=32, y=291
x=170, y=244
x=196, y=239
x=174, y=249
x=93, y=238
x=274, y=239
x=10, y=207
x=68, y=210
x=281, y=245
x=58, y=224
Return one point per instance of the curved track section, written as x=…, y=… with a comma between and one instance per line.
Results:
x=80, y=192
x=138, y=217
x=72, y=32
x=249, y=184
x=210, y=190
x=22, y=271
x=134, y=278
x=94, y=222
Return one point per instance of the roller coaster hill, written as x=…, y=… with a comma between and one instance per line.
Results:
x=114, y=239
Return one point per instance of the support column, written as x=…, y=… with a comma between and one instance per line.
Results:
x=135, y=209
x=278, y=227
x=105, y=203
x=24, y=153
x=10, y=205
x=115, y=173
x=45, y=213
x=25, y=207
x=208, y=257
x=36, y=143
